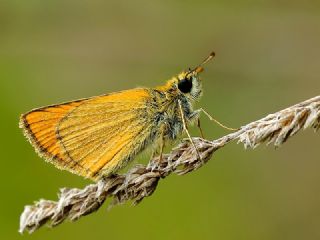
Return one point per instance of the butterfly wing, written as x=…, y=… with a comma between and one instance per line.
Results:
x=92, y=137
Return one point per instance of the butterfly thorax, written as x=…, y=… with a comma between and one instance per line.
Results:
x=165, y=102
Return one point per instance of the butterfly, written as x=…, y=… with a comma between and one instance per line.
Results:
x=97, y=136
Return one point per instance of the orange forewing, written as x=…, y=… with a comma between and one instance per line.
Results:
x=40, y=128
x=90, y=137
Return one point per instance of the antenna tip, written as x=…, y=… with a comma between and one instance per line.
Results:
x=212, y=54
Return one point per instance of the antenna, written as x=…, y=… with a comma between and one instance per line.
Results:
x=212, y=54
x=199, y=68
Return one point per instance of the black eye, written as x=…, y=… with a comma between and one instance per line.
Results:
x=185, y=85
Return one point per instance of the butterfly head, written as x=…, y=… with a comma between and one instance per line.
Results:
x=189, y=82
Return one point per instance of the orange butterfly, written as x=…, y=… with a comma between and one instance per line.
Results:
x=95, y=137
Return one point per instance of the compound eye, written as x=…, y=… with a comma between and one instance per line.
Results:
x=185, y=85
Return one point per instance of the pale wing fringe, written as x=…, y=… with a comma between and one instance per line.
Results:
x=141, y=181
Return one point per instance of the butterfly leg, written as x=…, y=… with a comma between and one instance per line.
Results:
x=158, y=150
x=195, y=116
x=186, y=129
x=161, y=149
x=216, y=121
x=199, y=126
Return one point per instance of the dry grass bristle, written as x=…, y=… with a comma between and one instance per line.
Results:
x=141, y=181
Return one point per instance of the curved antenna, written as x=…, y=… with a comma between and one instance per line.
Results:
x=199, y=68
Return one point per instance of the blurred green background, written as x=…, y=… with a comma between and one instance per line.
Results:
x=267, y=58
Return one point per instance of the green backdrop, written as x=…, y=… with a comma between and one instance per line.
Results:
x=267, y=58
